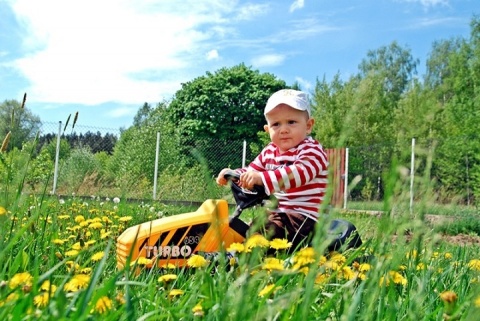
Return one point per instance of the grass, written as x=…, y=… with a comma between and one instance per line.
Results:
x=59, y=264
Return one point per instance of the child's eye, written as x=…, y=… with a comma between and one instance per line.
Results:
x=291, y=122
x=274, y=125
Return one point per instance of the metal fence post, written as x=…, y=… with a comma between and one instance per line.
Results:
x=57, y=155
x=412, y=174
x=345, y=181
x=155, y=175
x=244, y=154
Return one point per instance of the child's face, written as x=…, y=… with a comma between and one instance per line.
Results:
x=288, y=126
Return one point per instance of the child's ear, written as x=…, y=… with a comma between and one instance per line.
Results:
x=310, y=123
x=265, y=128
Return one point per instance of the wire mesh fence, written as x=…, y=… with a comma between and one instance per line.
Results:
x=90, y=150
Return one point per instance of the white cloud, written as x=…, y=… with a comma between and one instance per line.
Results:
x=212, y=55
x=297, y=4
x=91, y=52
x=304, y=84
x=268, y=60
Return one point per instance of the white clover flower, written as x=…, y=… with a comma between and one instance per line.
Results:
x=61, y=201
x=107, y=199
x=115, y=208
x=101, y=203
x=152, y=209
x=116, y=200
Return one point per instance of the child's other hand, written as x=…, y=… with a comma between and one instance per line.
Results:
x=249, y=179
x=220, y=178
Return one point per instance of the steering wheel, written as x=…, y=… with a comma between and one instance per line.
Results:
x=244, y=197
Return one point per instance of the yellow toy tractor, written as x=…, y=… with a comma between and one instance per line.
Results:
x=174, y=239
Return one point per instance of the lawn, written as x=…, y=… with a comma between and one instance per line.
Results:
x=59, y=263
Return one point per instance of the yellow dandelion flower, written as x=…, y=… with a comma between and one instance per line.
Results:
x=3, y=211
x=125, y=218
x=167, y=278
x=361, y=276
x=105, y=235
x=175, y=292
x=95, y=225
x=474, y=264
x=20, y=279
x=46, y=286
x=78, y=282
x=86, y=270
x=74, y=228
x=402, y=267
x=41, y=300
x=79, y=218
x=448, y=256
x=197, y=261
x=364, y=267
x=280, y=244
x=420, y=266
x=143, y=261
x=331, y=266
x=338, y=258
x=106, y=219
x=257, y=240
x=83, y=224
x=412, y=254
x=103, y=305
x=58, y=241
x=10, y=298
x=477, y=302
x=169, y=266
x=77, y=246
x=273, y=264
x=120, y=298
x=97, y=256
x=72, y=265
x=268, y=290
x=89, y=242
x=304, y=256
x=347, y=273
x=322, y=278
x=395, y=277
x=63, y=217
x=198, y=310
x=72, y=253
x=236, y=247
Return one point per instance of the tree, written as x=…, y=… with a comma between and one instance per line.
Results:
x=15, y=117
x=142, y=115
x=134, y=154
x=226, y=106
x=394, y=65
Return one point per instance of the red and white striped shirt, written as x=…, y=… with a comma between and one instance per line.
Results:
x=298, y=178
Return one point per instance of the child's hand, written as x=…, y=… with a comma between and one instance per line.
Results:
x=250, y=178
x=220, y=178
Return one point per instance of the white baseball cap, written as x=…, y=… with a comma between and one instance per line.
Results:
x=293, y=98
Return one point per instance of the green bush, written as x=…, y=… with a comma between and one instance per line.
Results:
x=77, y=169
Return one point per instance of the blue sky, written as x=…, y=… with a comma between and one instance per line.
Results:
x=105, y=59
